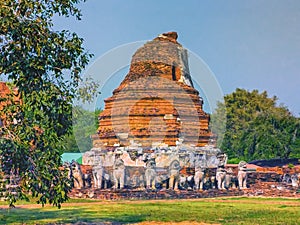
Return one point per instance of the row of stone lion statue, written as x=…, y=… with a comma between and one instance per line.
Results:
x=153, y=177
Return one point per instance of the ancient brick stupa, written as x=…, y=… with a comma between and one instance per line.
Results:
x=156, y=104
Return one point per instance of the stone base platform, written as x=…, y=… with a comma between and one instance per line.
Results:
x=151, y=194
x=265, y=189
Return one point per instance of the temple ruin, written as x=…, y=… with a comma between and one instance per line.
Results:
x=156, y=103
x=153, y=128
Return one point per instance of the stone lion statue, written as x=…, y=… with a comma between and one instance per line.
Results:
x=77, y=175
x=230, y=179
x=200, y=168
x=98, y=173
x=242, y=175
x=220, y=177
x=174, y=174
x=119, y=172
x=199, y=178
x=150, y=173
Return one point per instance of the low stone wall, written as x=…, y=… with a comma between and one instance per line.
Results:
x=151, y=194
x=260, y=177
x=279, y=170
x=263, y=189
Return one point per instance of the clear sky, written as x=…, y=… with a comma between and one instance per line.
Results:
x=247, y=44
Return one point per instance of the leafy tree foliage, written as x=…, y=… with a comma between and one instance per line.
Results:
x=85, y=123
x=256, y=128
x=45, y=66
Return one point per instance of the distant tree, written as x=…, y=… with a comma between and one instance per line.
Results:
x=256, y=128
x=45, y=66
x=85, y=123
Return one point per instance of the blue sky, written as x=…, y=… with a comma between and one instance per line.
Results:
x=247, y=44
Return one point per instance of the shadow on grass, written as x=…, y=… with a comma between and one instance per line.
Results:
x=63, y=216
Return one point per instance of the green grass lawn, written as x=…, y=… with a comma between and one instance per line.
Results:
x=227, y=211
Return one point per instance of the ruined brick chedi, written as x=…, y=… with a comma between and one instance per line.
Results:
x=156, y=103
